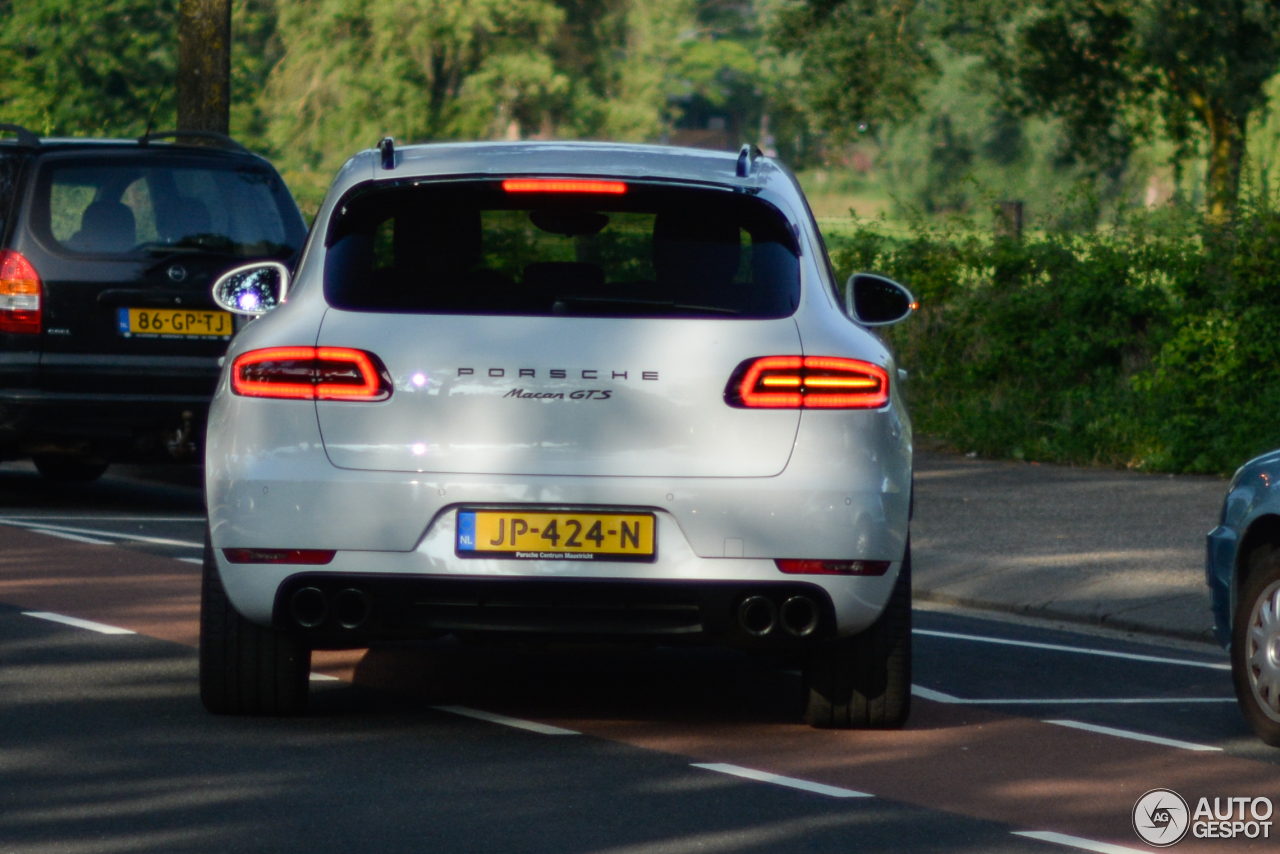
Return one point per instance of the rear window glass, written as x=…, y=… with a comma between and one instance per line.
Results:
x=473, y=248
x=153, y=205
x=10, y=166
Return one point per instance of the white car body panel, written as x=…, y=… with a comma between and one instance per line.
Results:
x=632, y=397
x=743, y=488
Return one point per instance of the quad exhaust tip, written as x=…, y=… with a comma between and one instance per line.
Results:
x=309, y=607
x=757, y=616
x=799, y=616
x=351, y=608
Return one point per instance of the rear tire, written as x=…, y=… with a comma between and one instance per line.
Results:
x=68, y=468
x=1255, y=649
x=864, y=681
x=246, y=669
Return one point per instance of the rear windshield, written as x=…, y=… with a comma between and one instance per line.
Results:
x=474, y=248
x=10, y=166
x=162, y=204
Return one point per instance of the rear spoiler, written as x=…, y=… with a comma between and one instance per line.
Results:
x=213, y=136
x=26, y=138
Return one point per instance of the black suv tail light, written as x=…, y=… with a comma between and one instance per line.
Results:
x=19, y=294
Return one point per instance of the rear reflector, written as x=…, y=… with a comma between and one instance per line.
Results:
x=310, y=373
x=808, y=382
x=307, y=556
x=560, y=185
x=833, y=567
x=19, y=294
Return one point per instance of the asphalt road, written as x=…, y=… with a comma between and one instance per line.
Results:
x=1017, y=726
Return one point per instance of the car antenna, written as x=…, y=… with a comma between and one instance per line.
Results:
x=387, y=146
x=151, y=117
x=747, y=159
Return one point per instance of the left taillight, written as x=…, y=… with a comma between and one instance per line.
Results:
x=808, y=382
x=19, y=294
x=310, y=373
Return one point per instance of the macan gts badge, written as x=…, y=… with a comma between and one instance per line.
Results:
x=416, y=439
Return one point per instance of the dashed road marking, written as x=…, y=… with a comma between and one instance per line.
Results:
x=1135, y=736
x=75, y=538
x=86, y=518
x=531, y=726
x=78, y=623
x=778, y=780
x=61, y=530
x=1077, y=842
x=939, y=697
x=1081, y=650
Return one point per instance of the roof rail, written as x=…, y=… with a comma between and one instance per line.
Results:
x=25, y=137
x=227, y=142
x=746, y=159
x=387, y=146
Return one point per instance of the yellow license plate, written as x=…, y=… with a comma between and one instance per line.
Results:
x=175, y=323
x=556, y=536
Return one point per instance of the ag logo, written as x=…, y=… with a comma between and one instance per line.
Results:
x=1160, y=817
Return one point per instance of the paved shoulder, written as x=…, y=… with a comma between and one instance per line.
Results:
x=1118, y=548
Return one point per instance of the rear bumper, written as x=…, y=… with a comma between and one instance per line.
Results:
x=363, y=609
x=713, y=585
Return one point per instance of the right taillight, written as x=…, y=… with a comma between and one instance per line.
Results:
x=19, y=294
x=310, y=373
x=833, y=567
x=808, y=382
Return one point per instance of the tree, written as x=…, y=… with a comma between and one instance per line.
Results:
x=355, y=70
x=204, y=65
x=862, y=61
x=1113, y=71
x=78, y=68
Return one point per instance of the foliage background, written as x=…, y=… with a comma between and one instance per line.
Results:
x=1125, y=328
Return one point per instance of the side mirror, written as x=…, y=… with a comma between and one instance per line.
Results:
x=252, y=290
x=876, y=301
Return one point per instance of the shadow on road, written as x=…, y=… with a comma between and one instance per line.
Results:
x=175, y=489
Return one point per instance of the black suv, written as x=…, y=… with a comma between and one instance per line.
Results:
x=109, y=339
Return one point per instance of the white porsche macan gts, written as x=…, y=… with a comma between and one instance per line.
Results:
x=560, y=391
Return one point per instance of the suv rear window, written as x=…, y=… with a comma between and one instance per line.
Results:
x=10, y=166
x=139, y=205
x=474, y=248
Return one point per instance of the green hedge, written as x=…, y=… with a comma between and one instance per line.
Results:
x=1155, y=345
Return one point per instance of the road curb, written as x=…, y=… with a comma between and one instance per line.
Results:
x=1104, y=622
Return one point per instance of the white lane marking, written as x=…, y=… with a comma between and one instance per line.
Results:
x=1081, y=650
x=75, y=538
x=778, y=780
x=324, y=677
x=939, y=697
x=87, y=518
x=531, y=726
x=54, y=529
x=1135, y=736
x=78, y=623
x=1077, y=842
x=199, y=561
